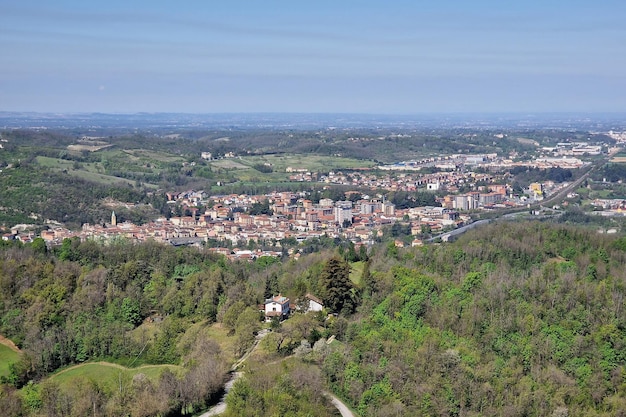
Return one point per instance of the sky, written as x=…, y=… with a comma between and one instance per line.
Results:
x=383, y=57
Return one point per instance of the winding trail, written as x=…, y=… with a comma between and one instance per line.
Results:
x=339, y=405
x=220, y=407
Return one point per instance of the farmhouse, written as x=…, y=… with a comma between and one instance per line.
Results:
x=277, y=306
x=313, y=303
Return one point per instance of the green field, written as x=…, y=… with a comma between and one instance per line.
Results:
x=229, y=164
x=243, y=167
x=7, y=356
x=144, y=162
x=310, y=162
x=227, y=344
x=88, y=171
x=54, y=163
x=150, y=156
x=356, y=272
x=108, y=374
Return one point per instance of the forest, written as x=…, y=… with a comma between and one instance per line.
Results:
x=512, y=319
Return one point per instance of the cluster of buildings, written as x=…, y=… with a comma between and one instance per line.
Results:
x=451, y=173
x=225, y=223
x=224, y=220
x=280, y=307
x=573, y=149
x=564, y=155
x=617, y=205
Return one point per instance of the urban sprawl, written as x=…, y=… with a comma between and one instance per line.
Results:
x=467, y=183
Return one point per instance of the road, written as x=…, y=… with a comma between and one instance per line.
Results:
x=343, y=409
x=220, y=407
x=448, y=235
x=571, y=187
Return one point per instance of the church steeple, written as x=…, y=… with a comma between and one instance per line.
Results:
x=113, y=219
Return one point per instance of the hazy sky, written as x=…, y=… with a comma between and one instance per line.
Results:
x=313, y=56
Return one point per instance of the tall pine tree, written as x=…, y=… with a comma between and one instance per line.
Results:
x=338, y=292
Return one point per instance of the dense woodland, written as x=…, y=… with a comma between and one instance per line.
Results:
x=512, y=319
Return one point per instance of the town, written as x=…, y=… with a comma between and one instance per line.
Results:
x=230, y=225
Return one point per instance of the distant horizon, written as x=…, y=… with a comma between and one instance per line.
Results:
x=175, y=121
x=398, y=114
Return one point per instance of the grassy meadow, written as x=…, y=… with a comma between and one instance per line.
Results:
x=109, y=374
x=7, y=356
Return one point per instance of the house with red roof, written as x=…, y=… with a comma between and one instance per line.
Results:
x=277, y=306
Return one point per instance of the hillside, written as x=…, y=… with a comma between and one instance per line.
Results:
x=512, y=319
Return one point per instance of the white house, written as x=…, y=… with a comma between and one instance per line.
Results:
x=277, y=306
x=433, y=186
x=313, y=303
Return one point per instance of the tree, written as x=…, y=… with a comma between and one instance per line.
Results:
x=271, y=284
x=367, y=280
x=130, y=311
x=247, y=325
x=231, y=315
x=339, y=294
x=363, y=253
x=39, y=245
x=261, y=208
x=10, y=402
x=68, y=249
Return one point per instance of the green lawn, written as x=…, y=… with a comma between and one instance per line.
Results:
x=227, y=343
x=356, y=272
x=108, y=374
x=54, y=163
x=104, y=179
x=7, y=356
x=229, y=164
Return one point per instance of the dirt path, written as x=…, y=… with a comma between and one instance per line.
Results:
x=220, y=407
x=339, y=405
x=257, y=340
x=9, y=343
